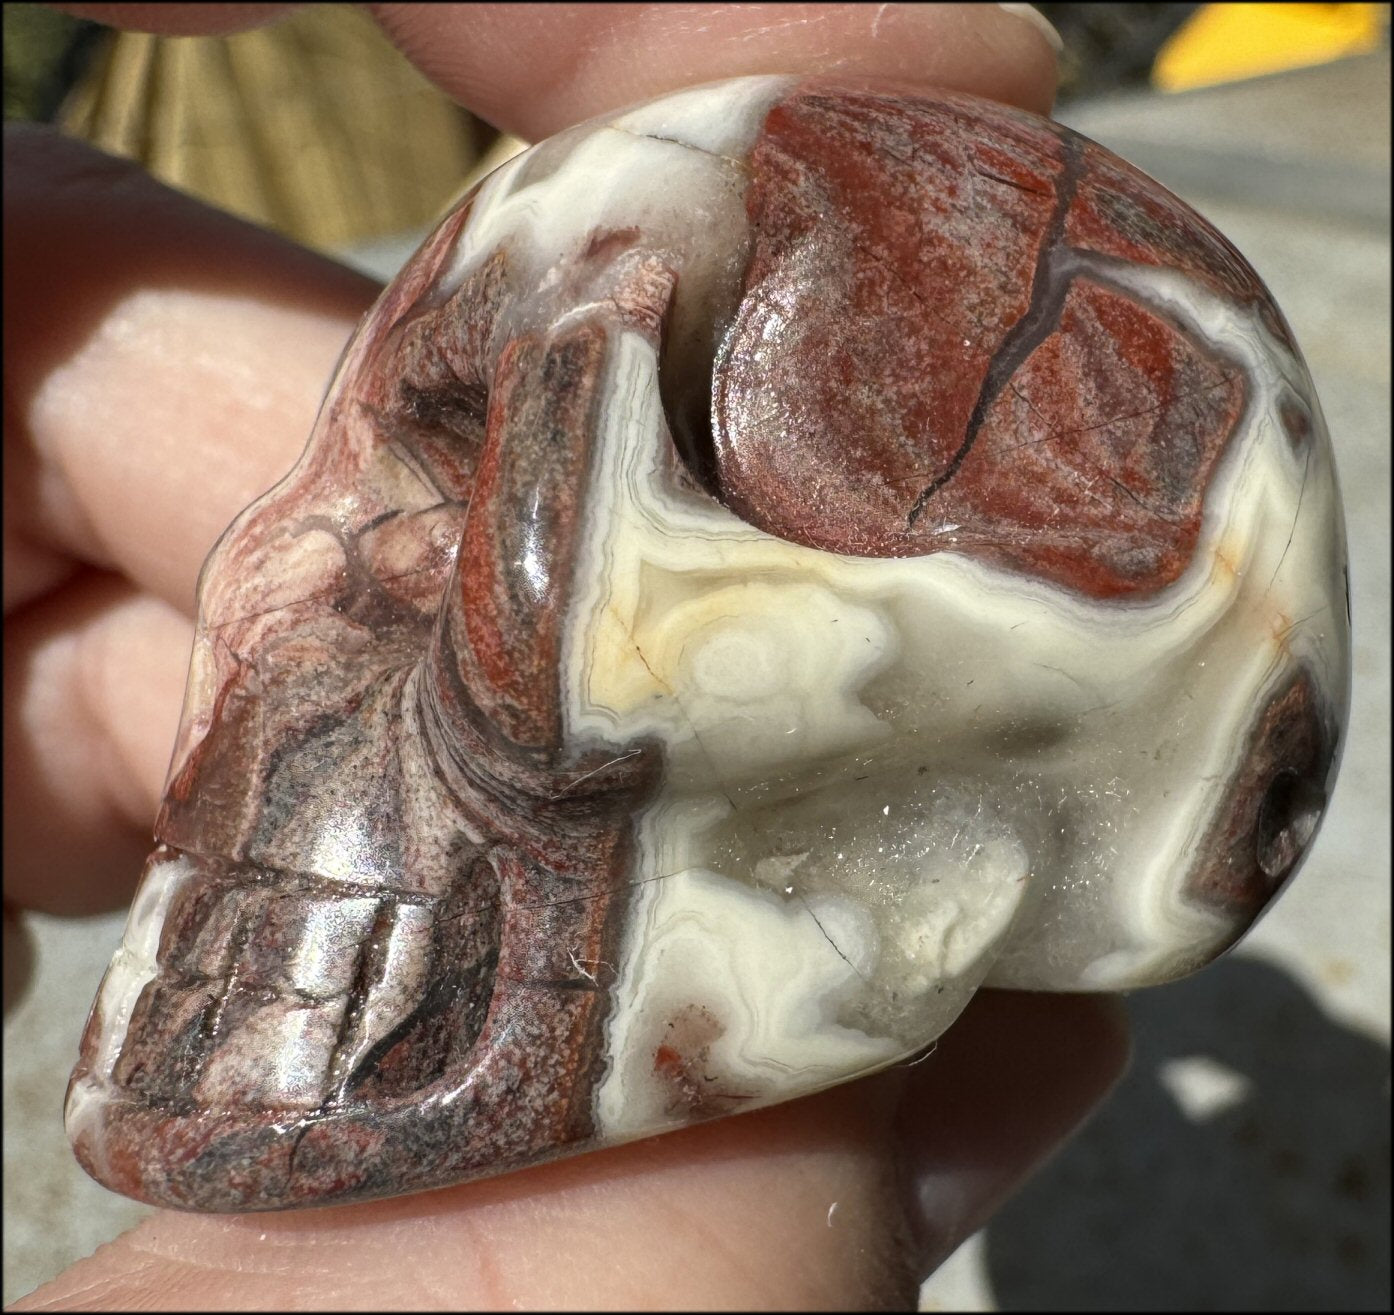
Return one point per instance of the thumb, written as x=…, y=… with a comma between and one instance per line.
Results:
x=844, y=1200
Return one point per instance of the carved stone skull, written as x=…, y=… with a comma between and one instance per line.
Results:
x=775, y=561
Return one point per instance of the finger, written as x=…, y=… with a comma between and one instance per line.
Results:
x=163, y=365
x=163, y=368
x=1022, y=1071
x=532, y=69
x=799, y=1207
x=94, y=674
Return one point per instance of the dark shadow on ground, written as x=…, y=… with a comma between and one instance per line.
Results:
x=1277, y=1200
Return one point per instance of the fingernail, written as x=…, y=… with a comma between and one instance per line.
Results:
x=1040, y=22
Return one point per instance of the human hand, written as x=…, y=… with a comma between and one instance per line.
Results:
x=176, y=339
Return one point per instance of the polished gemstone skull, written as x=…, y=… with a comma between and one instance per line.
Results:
x=777, y=560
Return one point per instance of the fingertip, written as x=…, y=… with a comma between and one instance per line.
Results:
x=1030, y=14
x=532, y=70
x=173, y=337
x=1015, y=1077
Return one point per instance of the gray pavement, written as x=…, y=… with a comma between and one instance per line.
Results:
x=1244, y=1162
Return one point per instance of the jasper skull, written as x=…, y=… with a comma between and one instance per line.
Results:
x=775, y=561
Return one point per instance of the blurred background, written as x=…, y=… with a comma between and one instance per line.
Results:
x=1244, y=1162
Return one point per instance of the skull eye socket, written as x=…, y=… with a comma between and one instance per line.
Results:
x=1287, y=818
x=687, y=360
x=686, y=391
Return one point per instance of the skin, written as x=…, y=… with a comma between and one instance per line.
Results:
x=150, y=333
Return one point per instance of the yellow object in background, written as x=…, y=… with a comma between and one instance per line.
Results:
x=1224, y=43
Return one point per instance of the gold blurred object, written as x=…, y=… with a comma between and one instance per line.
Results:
x=1227, y=42
x=316, y=127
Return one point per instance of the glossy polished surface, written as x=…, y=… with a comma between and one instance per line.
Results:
x=871, y=546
